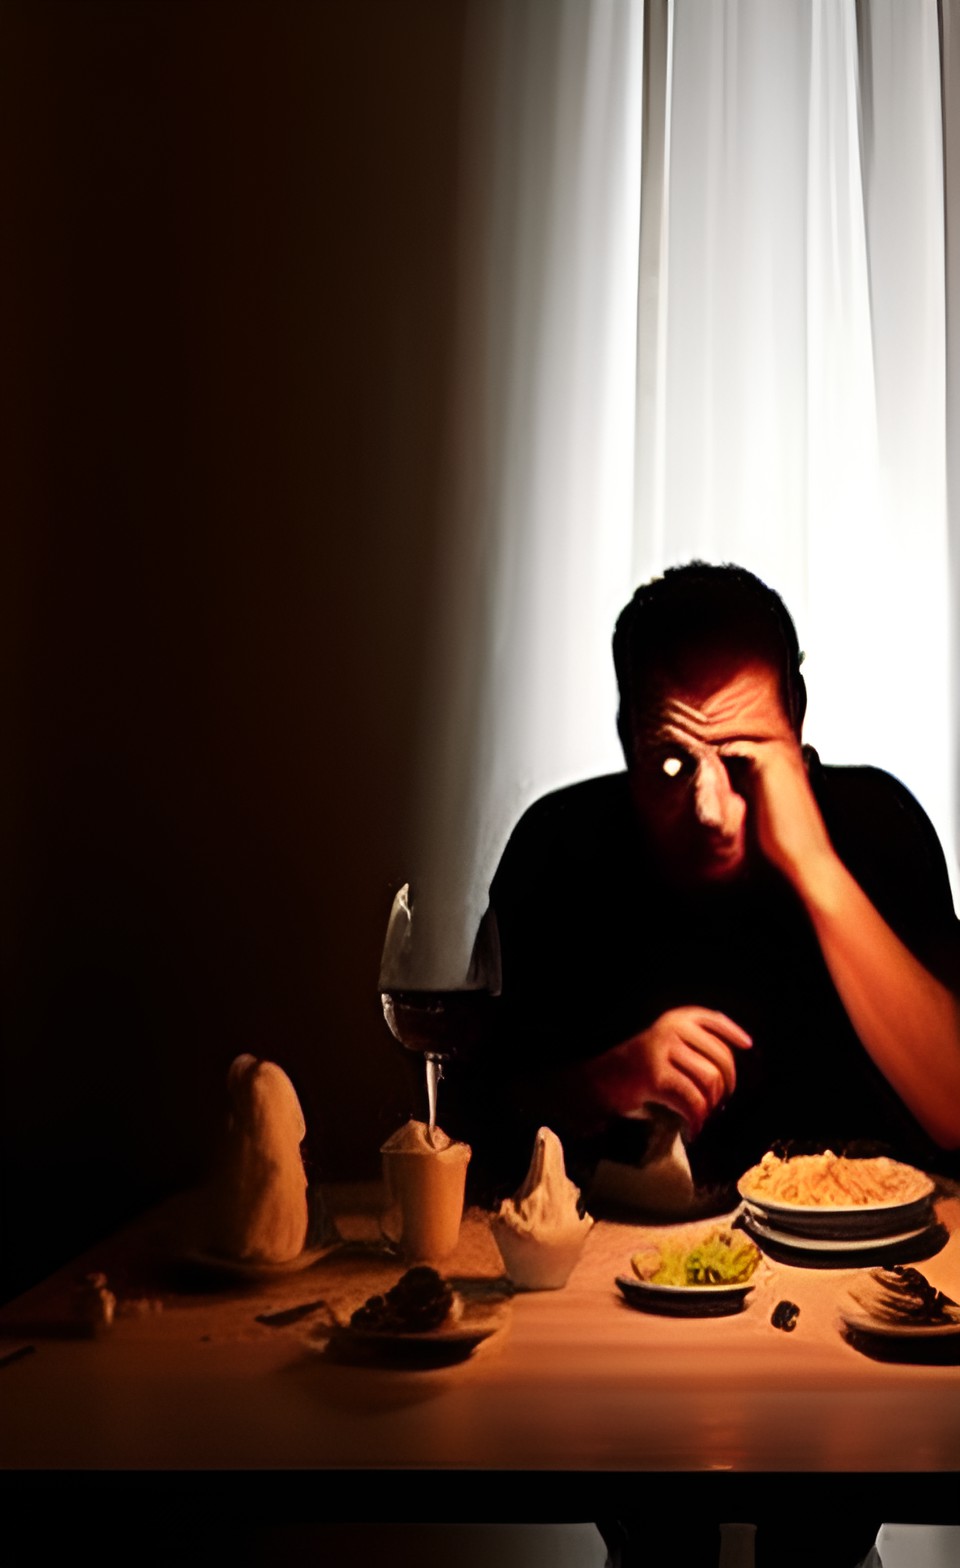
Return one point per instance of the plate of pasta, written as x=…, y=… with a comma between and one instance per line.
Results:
x=831, y=1197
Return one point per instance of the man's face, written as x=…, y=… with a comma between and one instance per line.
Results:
x=684, y=770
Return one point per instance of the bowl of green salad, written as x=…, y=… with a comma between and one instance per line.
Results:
x=711, y=1275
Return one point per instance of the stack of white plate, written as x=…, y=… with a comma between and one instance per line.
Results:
x=868, y=1228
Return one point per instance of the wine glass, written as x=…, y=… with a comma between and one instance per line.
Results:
x=428, y=1007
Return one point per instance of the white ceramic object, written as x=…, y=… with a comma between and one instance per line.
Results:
x=541, y=1232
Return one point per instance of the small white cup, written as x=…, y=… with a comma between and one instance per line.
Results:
x=425, y=1192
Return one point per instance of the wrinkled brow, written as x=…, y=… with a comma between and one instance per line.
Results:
x=664, y=734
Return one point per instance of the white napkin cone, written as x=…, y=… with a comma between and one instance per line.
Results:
x=663, y=1184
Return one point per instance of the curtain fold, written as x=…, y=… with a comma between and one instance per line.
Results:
x=539, y=496
x=949, y=17
x=703, y=313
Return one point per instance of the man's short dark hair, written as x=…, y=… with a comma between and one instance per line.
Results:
x=702, y=609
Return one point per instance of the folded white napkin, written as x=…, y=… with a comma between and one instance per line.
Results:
x=662, y=1184
x=916, y=1546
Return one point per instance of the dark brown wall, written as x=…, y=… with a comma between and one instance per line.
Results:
x=225, y=304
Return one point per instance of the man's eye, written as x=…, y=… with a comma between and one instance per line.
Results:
x=738, y=770
x=672, y=766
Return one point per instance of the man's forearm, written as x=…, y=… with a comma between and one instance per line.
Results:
x=905, y=1018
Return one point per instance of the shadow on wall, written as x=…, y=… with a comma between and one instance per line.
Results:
x=225, y=308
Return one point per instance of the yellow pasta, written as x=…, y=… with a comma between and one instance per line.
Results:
x=831, y=1180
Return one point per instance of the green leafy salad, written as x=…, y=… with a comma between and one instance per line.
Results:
x=722, y=1257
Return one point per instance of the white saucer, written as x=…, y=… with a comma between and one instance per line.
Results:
x=251, y=1269
x=808, y=1244
x=436, y=1347
x=865, y=1324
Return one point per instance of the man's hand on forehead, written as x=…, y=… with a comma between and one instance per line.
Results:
x=723, y=745
x=718, y=773
x=782, y=811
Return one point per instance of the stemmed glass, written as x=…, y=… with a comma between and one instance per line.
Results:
x=442, y=1021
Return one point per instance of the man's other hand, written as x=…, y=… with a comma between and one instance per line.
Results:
x=684, y=1060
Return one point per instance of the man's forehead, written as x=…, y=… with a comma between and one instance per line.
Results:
x=716, y=701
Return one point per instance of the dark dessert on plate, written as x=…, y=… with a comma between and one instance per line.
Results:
x=421, y=1300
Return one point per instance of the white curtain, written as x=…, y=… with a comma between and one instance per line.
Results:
x=702, y=314
x=798, y=419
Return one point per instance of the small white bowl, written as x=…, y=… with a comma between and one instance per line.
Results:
x=532, y=1264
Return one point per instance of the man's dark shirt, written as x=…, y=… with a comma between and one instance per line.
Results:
x=596, y=945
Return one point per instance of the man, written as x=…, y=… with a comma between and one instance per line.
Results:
x=765, y=946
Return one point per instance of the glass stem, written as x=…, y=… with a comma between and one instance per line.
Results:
x=434, y=1064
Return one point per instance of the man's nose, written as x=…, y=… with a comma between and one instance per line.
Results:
x=713, y=793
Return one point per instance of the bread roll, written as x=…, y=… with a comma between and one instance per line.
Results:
x=259, y=1194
